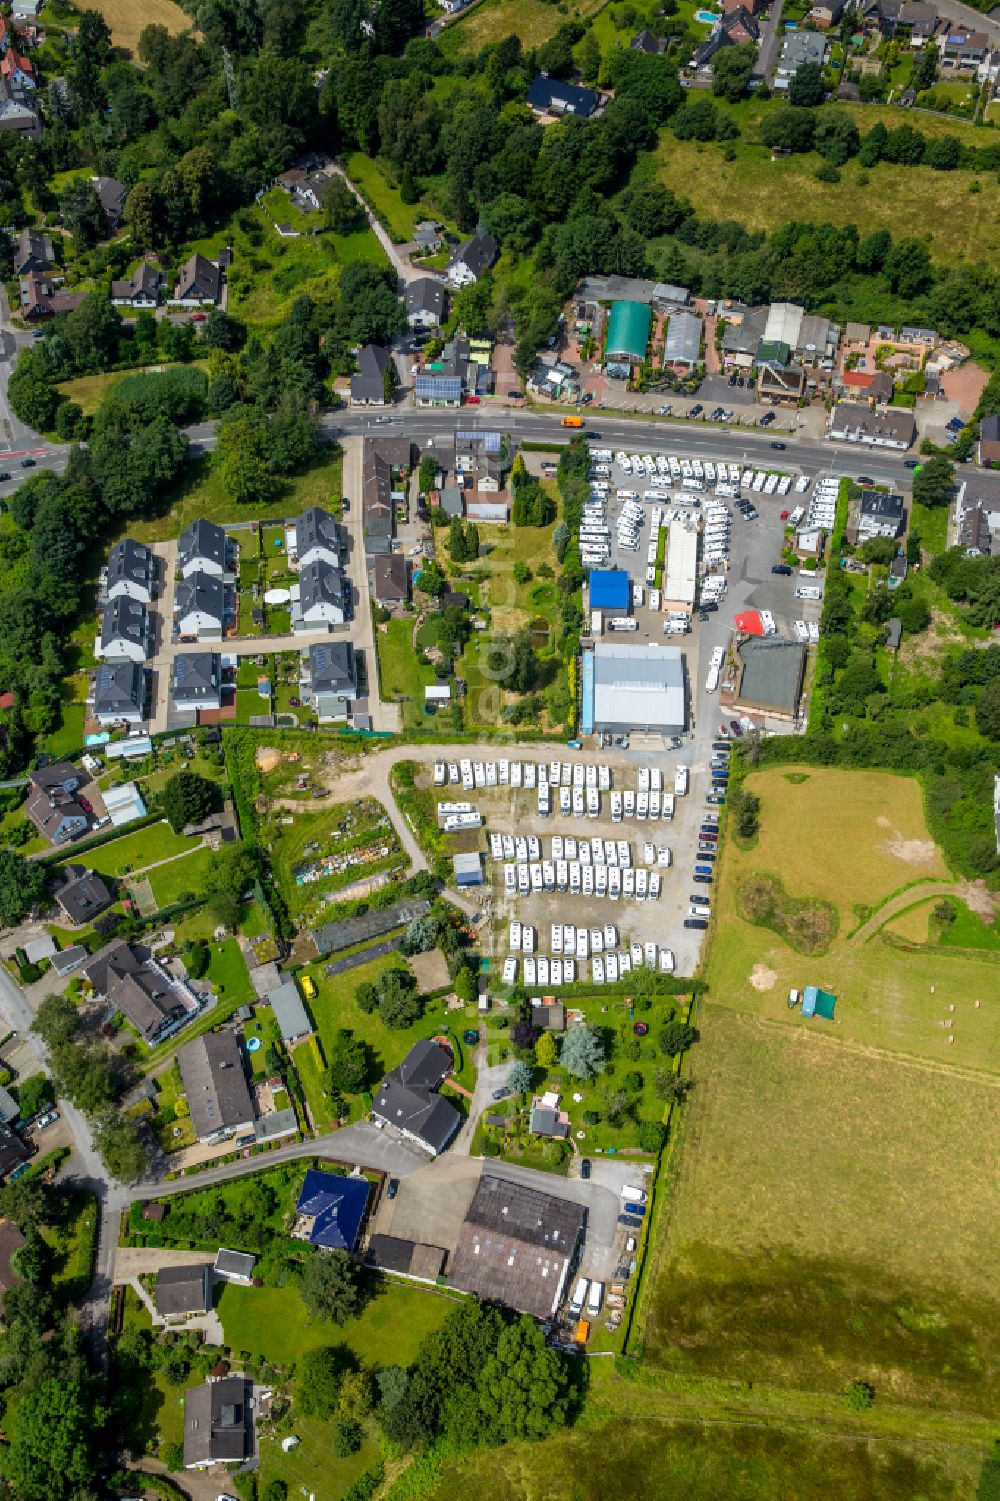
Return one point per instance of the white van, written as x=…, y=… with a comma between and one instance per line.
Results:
x=595, y=1298
x=579, y=1298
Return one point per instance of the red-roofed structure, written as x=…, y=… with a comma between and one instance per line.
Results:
x=750, y=623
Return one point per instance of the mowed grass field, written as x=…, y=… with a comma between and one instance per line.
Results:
x=852, y=838
x=127, y=18
x=533, y=21
x=760, y=193
x=831, y=1219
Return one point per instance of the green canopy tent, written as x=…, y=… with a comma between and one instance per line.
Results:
x=816, y=1002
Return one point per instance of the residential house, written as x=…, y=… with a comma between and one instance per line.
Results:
x=798, y=47
x=10, y=1111
x=131, y=572
x=13, y=1151
x=52, y=804
x=183, y=1292
x=427, y=236
x=112, y=195
x=307, y=190
x=151, y=999
x=17, y=113
x=810, y=541
x=434, y=390
x=33, y=252
x=218, y=1423
x=877, y=387
x=735, y=27
x=199, y=282
x=426, y=303
x=333, y=679
x=879, y=515
x=893, y=428
x=857, y=334
x=216, y=1087
x=330, y=1209
x=391, y=580
x=377, y=502
x=142, y=290
x=516, y=1246
x=551, y=97
x=921, y=20
x=126, y=631
x=817, y=341
x=769, y=674
x=962, y=50
x=119, y=693
x=547, y=1119
x=289, y=1012
x=81, y=894
x=753, y=6
x=318, y=538
x=41, y=298
x=473, y=259
x=17, y=70
x=368, y=386
x=989, y=440
x=827, y=13
x=203, y=548
x=782, y=385
x=977, y=514
x=324, y=598
x=408, y=1098
x=200, y=606
x=196, y=682
x=24, y=12
x=645, y=41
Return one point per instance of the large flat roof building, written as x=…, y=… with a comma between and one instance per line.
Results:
x=638, y=688
x=681, y=571
x=628, y=332
x=771, y=671
x=516, y=1246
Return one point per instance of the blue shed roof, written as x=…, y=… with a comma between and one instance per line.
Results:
x=336, y=1206
x=609, y=589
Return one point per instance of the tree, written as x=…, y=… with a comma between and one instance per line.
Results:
x=582, y=1053
x=34, y=1094
x=57, y=1021
x=244, y=459
x=232, y=870
x=523, y=1388
x=189, y=798
x=329, y=1287
x=934, y=483
x=317, y=1381
x=546, y=1051
x=32, y=392
x=349, y=1067
x=22, y=884
x=399, y=1005
x=988, y=710
x=746, y=811
x=789, y=129
x=82, y=214
x=519, y=1077
x=675, y=1037
x=806, y=88
x=731, y=70
x=53, y=1449
x=670, y=1087
x=341, y=210
x=122, y=1147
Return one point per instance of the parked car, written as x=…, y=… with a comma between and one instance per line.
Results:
x=782, y=568
x=585, y=1167
x=696, y=410
x=911, y=463
x=46, y=1119
x=695, y=922
x=501, y=1094
x=392, y=1188
x=27, y=463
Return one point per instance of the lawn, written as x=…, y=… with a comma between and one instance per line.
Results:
x=532, y=21
x=803, y=1245
x=180, y=877
x=227, y=971
x=73, y=1243
x=859, y=837
x=756, y=191
x=969, y=931
x=157, y=841
x=402, y=678
x=88, y=391
x=127, y=19
x=384, y=197
x=269, y=272
x=69, y=735
x=208, y=497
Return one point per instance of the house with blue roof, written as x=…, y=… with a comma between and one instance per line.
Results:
x=330, y=1210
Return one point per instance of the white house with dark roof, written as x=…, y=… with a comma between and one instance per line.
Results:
x=472, y=260
x=203, y=548
x=131, y=571
x=120, y=693
x=333, y=679
x=126, y=631
x=199, y=282
x=318, y=538
x=426, y=302
x=142, y=290
x=368, y=386
x=324, y=597
x=196, y=682
x=200, y=606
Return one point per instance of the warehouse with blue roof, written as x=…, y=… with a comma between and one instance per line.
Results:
x=609, y=590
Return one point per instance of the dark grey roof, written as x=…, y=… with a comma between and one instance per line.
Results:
x=12, y=1150
x=62, y=774
x=317, y=528
x=368, y=384
x=197, y=677
x=82, y=894
x=772, y=672
x=145, y=281
x=182, y=1289
x=119, y=688
x=333, y=668
x=552, y=96
x=347, y=931
x=137, y=987
x=391, y=577
x=217, y=1421
x=215, y=1083
x=32, y=249
x=546, y=1122
x=516, y=1245
x=989, y=429
x=478, y=253
x=202, y=539
x=645, y=41
x=112, y=195
x=125, y=619
x=540, y=1219
x=130, y=562
x=425, y=295
x=234, y=1263
x=425, y=1066
x=427, y=1116
x=199, y=279
x=390, y=1253
x=880, y=503
x=321, y=583
x=200, y=591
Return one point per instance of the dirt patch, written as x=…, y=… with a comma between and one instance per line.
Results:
x=762, y=978
x=268, y=758
x=980, y=900
x=912, y=851
x=929, y=645
x=430, y=971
